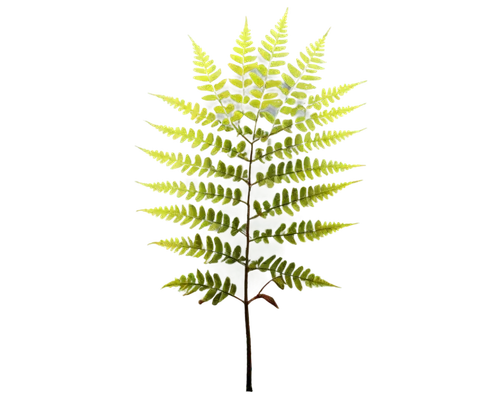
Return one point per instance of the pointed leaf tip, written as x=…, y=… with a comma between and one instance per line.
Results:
x=327, y=30
x=269, y=299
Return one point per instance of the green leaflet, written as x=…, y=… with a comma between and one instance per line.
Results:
x=301, y=197
x=201, y=140
x=291, y=275
x=307, y=168
x=193, y=164
x=257, y=208
x=215, y=292
x=206, y=248
x=196, y=218
x=203, y=193
x=188, y=108
x=306, y=231
x=328, y=117
x=333, y=94
x=309, y=142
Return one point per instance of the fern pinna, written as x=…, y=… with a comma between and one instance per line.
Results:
x=267, y=90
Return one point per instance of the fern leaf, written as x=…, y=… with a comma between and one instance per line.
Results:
x=213, y=251
x=198, y=115
x=301, y=144
x=215, y=290
x=330, y=95
x=210, y=141
x=305, y=197
x=197, y=165
x=280, y=92
x=218, y=222
x=300, y=171
x=265, y=85
x=208, y=191
x=304, y=230
x=289, y=274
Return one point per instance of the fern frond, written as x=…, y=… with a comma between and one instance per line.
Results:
x=284, y=94
x=197, y=114
x=213, y=251
x=306, y=64
x=300, y=171
x=305, y=230
x=281, y=268
x=301, y=144
x=305, y=197
x=208, y=192
x=330, y=96
x=208, y=74
x=219, y=222
x=210, y=141
x=216, y=290
x=190, y=167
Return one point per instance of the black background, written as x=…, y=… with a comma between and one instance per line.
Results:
x=314, y=343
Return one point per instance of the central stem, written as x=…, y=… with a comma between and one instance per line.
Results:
x=247, y=315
